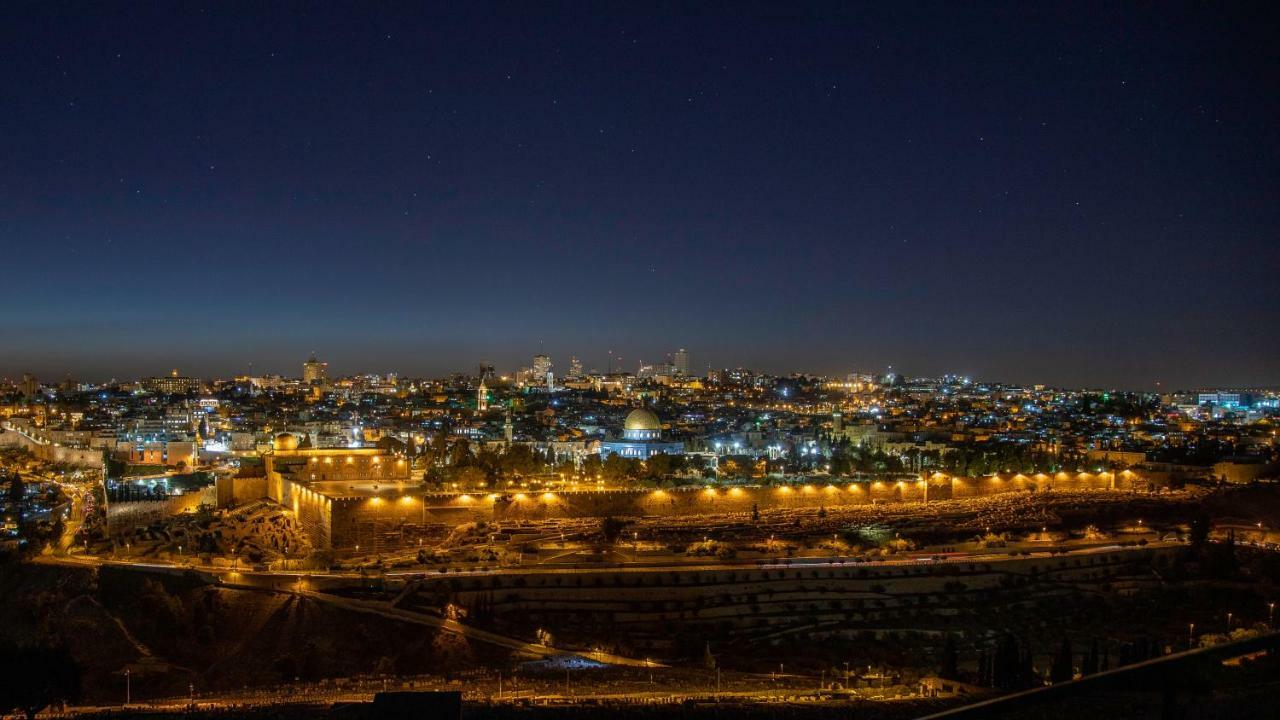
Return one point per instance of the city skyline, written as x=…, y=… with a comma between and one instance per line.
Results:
x=316, y=366
x=1075, y=198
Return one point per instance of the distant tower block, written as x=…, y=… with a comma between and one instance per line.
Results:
x=541, y=367
x=314, y=371
x=681, y=362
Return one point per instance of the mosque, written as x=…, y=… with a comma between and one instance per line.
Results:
x=641, y=438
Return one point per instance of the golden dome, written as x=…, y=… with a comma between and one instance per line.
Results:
x=641, y=419
x=285, y=441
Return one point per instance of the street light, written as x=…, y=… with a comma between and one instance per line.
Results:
x=1191, y=636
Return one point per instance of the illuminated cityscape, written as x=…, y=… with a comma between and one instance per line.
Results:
x=562, y=533
x=683, y=361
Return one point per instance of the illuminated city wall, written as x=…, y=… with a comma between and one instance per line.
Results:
x=79, y=457
x=232, y=490
x=128, y=515
x=698, y=501
x=366, y=521
x=275, y=485
x=963, y=487
x=313, y=511
x=359, y=520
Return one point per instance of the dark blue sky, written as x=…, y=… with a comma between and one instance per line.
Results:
x=1085, y=195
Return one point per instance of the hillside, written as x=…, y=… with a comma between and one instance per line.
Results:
x=172, y=632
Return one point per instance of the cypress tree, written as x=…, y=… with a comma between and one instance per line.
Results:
x=1062, y=669
x=1091, y=660
x=948, y=663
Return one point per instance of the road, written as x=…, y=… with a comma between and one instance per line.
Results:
x=243, y=576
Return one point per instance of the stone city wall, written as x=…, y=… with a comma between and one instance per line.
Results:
x=141, y=512
x=49, y=452
x=313, y=511
x=348, y=515
x=232, y=490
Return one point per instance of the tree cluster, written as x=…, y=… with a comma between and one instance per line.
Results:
x=35, y=677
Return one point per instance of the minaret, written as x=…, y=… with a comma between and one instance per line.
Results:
x=506, y=427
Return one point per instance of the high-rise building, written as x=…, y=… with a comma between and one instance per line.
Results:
x=575, y=369
x=30, y=386
x=314, y=371
x=541, y=367
x=681, y=362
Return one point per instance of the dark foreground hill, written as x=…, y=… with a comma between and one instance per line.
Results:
x=173, y=632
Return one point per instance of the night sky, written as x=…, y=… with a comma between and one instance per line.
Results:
x=1080, y=195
